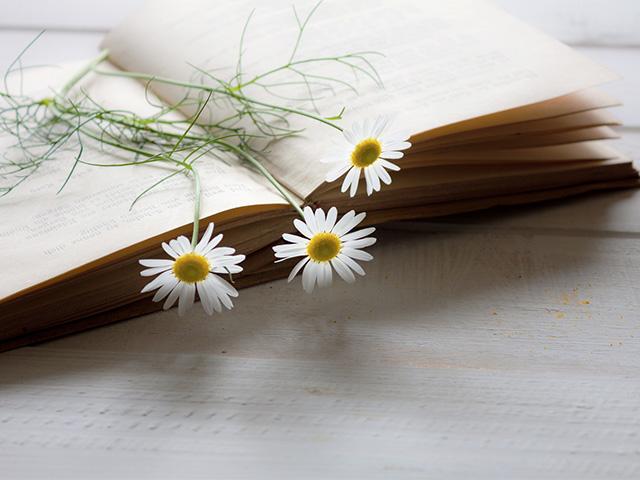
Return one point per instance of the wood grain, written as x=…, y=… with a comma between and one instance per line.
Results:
x=505, y=355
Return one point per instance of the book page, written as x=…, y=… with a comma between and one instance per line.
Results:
x=445, y=61
x=44, y=234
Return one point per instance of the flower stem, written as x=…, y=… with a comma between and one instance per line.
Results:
x=80, y=74
x=196, y=207
x=227, y=92
x=256, y=163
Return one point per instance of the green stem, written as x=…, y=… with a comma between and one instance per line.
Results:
x=227, y=92
x=259, y=77
x=256, y=163
x=196, y=209
x=80, y=74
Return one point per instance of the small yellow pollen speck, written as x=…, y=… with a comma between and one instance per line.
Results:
x=559, y=315
x=366, y=152
x=323, y=247
x=191, y=268
x=585, y=302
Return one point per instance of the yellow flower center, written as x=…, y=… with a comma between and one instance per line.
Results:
x=191, y=268
x=324, y=246
x=366, y=152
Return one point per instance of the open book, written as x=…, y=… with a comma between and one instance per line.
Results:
x=499, y=113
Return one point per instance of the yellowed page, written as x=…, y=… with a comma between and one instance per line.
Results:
x=43, y=234
x=496, y=155
x=446, y=61
x=565, y=123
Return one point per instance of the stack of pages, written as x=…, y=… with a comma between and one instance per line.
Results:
x=500, y=114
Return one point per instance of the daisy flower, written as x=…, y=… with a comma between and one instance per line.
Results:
x=193, y=269
x=369, y=151
x=328, y=244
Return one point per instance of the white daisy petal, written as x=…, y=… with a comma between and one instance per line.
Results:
x=205, y=299
x=170, y=251
x=389, y=165
x=374, y=179
x=223, y=291
x=397, y=136
x=165, y=289
x=224, y=286
x=205, y=239
x=302, y=228
x=229, y=260
x=396, y=146
x=295, y=238
x=187, y=297
x=350, y=136
x=290, y=253
x=212, y=244
x=310, y=219
x=382, y=173
x=210, y=291
x=289, y=247
x=369, y=181
x=320, y=272
x=332, y=216
x=391, y=155
x=227, y=269
x=175, y=245
x=184, y=243
x=173, y=296
x=309, y=276
x=352, y=264
x=155, y=263
x=326, y=277
x=149, y=272
x=226, y=301
x=340, y=228
x=157, y=282
x=349, y=178
x=366, y=128
x=357, y=131
x=337, y=172
x=361, y=243
x=354, y=182
x=379, y=126
x=320, y=219
x=357, y=219
x=345, y=272
x=357, y=254
x=297, y=268
x=220, y=251
x=358, y=234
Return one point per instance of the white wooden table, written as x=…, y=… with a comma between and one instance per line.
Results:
x=485, y=346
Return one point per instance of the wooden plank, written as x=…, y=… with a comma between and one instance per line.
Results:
x=626, y=63
x=51, y=49
x=66, y=14
x=582, y=22
x=477, y=355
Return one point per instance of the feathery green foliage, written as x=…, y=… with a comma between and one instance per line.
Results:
x=70, y=121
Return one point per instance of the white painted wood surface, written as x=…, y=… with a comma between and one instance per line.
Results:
x=482, y=346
